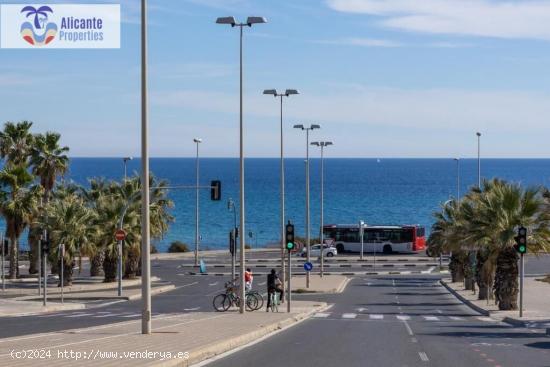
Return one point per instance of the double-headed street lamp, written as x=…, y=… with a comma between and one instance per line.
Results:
x=233, y=23
x=322, y=145
x=307, y=130
x=287, y=93
x=197, y=141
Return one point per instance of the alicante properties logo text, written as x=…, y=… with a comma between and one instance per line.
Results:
x=39, y=31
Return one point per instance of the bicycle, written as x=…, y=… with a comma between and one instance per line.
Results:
x=274, y=301
x=223, y=301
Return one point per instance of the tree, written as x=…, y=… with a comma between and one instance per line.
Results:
x=31, y=10
x=71, y=223
x=16, y=143
x=48, y=161
x=18, y=202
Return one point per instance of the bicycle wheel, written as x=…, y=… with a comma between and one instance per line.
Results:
x=221, y=302
x=260, y=299
x=251, y=302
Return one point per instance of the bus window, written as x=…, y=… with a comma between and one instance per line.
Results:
x=350, y=236
x=420, y=232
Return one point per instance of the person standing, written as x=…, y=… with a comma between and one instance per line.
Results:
x=274, y=284
x=248, y=278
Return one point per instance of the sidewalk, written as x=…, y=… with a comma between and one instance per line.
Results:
x=189, y=338
x=536, y=312
x=326, y=284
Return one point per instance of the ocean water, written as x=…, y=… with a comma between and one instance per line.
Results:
x=385, y=191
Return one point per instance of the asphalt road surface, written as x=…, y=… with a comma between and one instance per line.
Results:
x=396, y=321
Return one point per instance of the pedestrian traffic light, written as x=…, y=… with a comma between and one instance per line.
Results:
x=521, y=241
x=290, y=236
x=45, y=246
x=216, y=190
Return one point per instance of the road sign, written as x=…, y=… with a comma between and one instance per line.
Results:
x=308, y=266
x=120, y=235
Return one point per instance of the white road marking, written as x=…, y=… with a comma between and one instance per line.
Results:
x=186, y=285
x=431, y=318
x=376, y=317
x=439, y=311
x=414, y=340
x=132, y=315
x=403, y=317
x=349, y=315
x=80, y=314
x=408, y=327
x=192, y=309
x=212, y=284
x=486, y=319
x=108, y=315
x=262, y=283
x=456, y=318
x=361, y=309
x=423, y=356
x=321, y=315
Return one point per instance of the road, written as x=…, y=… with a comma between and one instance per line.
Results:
x=396, y=321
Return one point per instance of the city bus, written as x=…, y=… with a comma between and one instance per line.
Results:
x=386, y=239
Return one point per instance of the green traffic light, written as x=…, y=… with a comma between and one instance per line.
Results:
x=522, y=249
x=289, y=246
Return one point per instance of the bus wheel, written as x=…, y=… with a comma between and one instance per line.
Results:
x=340, y=248
x=387, y=249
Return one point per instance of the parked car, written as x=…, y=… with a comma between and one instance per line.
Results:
x=328, y=251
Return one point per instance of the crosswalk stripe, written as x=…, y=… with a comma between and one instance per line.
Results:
x=403, y=317
x=349, y=315
x=376, y=317
x=486, y=319
x=431, y=318
x=321, y=315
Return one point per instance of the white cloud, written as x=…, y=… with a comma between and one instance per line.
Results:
x=527, y=19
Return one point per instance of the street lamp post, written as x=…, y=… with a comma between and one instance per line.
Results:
x=322, y=144
x=197, y=142
x=145, y=224
x=233, y=23
x=307, y=130
x=287, y=93
x=231, y=207
x=362, y=237
x=125, y=160
x=457, y=160
x=478, y=160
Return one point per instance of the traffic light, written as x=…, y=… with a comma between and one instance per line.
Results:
x=290, y=236
x=215, y=190
x=45, y=243
x=521, y=241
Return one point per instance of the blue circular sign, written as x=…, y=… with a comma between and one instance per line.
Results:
x=308, y=266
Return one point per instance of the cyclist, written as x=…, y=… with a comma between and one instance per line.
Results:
x=248, y=278
x=274, y=284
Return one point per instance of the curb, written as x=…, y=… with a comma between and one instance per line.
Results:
x=65, y=307
x=154, y=291
x=326, y=273
x=474, y=307
x=204, y=355
x=299, y=266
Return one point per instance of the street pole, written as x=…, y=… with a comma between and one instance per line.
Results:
x=322, y=234
x=478, y=160
x=3, y=255
x=374, y=253
x=39, y=265
x=289, y=289
x=145, y=225
x=234, y=245
x=249, y=22
x=62, y=265
x=361, y=234
x=457, y=160
x=45, y=292
x=287, y=93
x=521, y=276
x=125, y=160
x=307, y=207
x=119, y=249
x=197, y=142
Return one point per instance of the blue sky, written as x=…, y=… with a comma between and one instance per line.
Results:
x=384, y=78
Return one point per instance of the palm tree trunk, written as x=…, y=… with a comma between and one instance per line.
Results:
x=96, y=264
x=506, y=279
x=480, y=276
x=14, y=258
x=109, y=268
x=457, y=268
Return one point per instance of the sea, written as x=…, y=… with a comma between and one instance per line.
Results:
x=377, y=191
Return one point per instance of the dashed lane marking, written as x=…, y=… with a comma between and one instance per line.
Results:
x=403, y=317
x=349, y=315
x=376, y=317
x=321, y=315
x=431, y=318
x=423, y=356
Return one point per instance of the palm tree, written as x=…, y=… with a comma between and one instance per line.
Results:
x=16, y=143
x=18, y=202
x=69, y=222
x=31, y=10
x=48, y=161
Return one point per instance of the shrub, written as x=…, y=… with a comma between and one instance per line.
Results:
x=247, y=246
x=178, y=246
